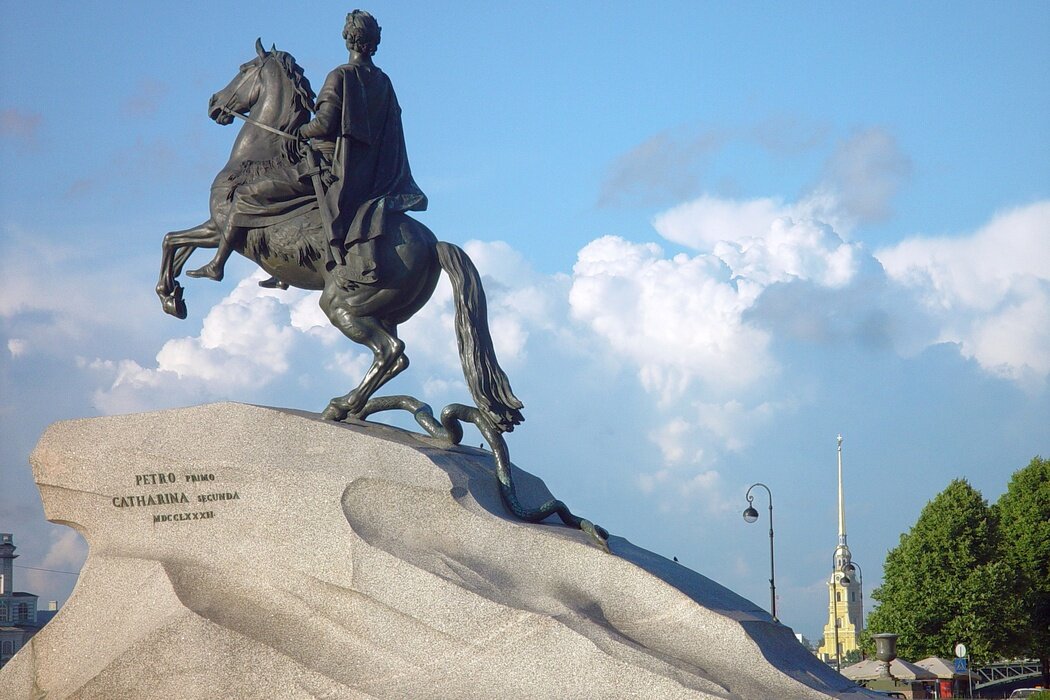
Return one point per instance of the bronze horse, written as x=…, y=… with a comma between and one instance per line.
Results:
x=272, y=89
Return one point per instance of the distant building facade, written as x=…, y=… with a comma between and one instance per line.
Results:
x=845, y=594
x=18, y=611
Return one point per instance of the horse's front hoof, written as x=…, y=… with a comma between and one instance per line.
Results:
x=173, y=303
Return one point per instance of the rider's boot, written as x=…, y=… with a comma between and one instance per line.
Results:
x=214, y=269
x=273, y=283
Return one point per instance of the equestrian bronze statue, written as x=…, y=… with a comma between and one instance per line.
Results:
x=320, y=201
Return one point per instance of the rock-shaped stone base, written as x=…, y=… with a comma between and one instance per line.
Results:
x=246, y=552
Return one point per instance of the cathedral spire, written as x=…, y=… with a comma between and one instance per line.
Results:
x=842, y=553
x=845, y=594
x=842, y=502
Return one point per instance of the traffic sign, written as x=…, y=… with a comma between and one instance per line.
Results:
x=960, y=650
x=960, y=665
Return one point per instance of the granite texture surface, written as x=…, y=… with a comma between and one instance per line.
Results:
x=240, y=551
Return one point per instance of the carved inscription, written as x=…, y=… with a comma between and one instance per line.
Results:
x=195, y=489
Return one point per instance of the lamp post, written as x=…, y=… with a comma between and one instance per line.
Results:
x=751, y=515
x=835, y=604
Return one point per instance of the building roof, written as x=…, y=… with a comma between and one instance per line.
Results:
x=868, y=670
x=942, y=668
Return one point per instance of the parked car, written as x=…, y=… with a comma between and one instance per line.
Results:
x=1026, y=692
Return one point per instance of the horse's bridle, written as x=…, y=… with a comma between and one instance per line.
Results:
x=226, y=107
x=237, y=89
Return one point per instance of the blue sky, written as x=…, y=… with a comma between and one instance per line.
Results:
x=714, y=235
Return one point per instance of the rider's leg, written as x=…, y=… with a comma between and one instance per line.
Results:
x=252, y=199
x=230, y=235
x=214, y=269
x=273, y=283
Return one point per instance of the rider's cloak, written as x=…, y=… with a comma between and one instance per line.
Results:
x=373, y=178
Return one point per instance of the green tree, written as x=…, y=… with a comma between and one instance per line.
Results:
x=1024, y=516
x=945, y=582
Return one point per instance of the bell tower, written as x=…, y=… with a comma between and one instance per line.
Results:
x=845, y=593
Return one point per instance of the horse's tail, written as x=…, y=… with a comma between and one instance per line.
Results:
x=486, y=380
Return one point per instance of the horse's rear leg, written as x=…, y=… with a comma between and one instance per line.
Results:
x=388, y=352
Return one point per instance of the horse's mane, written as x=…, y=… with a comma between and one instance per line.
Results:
x=302, y=100
x=304, y=94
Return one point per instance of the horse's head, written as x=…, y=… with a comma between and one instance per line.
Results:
x=270, y=72
x=274, y=90
x=242, y=92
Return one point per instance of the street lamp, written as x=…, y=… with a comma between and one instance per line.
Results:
x=751, y=515
x=850, y=569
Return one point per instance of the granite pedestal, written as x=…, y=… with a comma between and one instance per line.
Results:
x=239, y=551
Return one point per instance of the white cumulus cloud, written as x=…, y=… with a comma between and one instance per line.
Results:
x=245, y=341
x=789, y=250
x=679, y=319
x=988, y=291
x=683, y=319
x=703, y=324
x=702, y=222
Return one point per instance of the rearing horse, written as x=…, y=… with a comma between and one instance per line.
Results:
x=272, y=89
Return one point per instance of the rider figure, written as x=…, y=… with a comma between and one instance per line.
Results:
x=358, y=110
